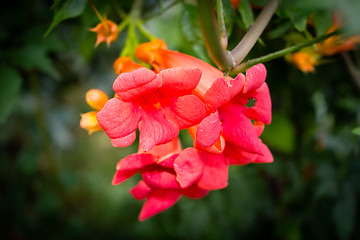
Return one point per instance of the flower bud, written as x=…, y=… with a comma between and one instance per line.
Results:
x=89, y=122
x=96, y=99
x=125, y=64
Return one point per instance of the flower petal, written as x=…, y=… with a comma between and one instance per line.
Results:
x=163, y=151
x=124, y=141
x=136, y=83
x=221, y=92
x=237, y=156
x=239, y=130
x=262, y=109
x=194, y=191
x=215, y=173
x=209, y=130
x=160, y=179
x=188, y=167
x=141, y=190
x=155, y=129
x=259, y=127
x=185, y=111
x=255, y=77
x=118, y=118
x=130, y=165
x=266, y=158
x=158, y=201
x=168, y=162
x=179, y=81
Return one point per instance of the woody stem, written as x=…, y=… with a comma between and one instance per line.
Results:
x=250, y=38
x=210, y=35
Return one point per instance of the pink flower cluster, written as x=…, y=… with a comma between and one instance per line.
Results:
x=224, y=116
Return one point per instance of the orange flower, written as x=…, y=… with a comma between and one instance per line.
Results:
x=337, y=44
x=96, y=99
x=107, y=31
x=147, y=52
x=125, y=64
x=305, y=61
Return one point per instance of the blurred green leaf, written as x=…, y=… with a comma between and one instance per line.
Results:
x=189, y=24
x=69, y=9
x=246, y=13
x=322, y=21
x=9, y=90
x=280, y=134
x=356, y=131
x=34, y=56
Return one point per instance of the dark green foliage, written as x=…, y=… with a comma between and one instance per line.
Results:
x=56, y=180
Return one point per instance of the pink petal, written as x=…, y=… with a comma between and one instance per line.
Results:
x=194, y=192
x=209, y=130
x=255, y=77
x=164, y=150
x=155, y=129
x=262, y=109
x=215, y=173
x=179, y=81
x=266, y=158
x=118, y=118
x=136, y=83
x=130, y=165
x=188, y=167
x=168, y=162
x=124, y=141
x=141, y=190
x=158, y=201
x=160, y=179
x=237, y=156
x=221, y=92
x=239, y=130
x=185, y=111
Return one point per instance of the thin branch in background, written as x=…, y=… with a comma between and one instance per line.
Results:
x=354, y=72
x=242, y=67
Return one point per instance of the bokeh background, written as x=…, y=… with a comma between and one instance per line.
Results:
x=56, y=179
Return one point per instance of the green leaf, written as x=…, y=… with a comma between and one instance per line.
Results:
x=69, y=9
x=189, y=24
x=356, y=131
x=246, y=13
x=34, y=56
x=9, y=90
x=322, y=21
x=280, y=134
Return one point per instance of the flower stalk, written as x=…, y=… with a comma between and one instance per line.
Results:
x=100, y=17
